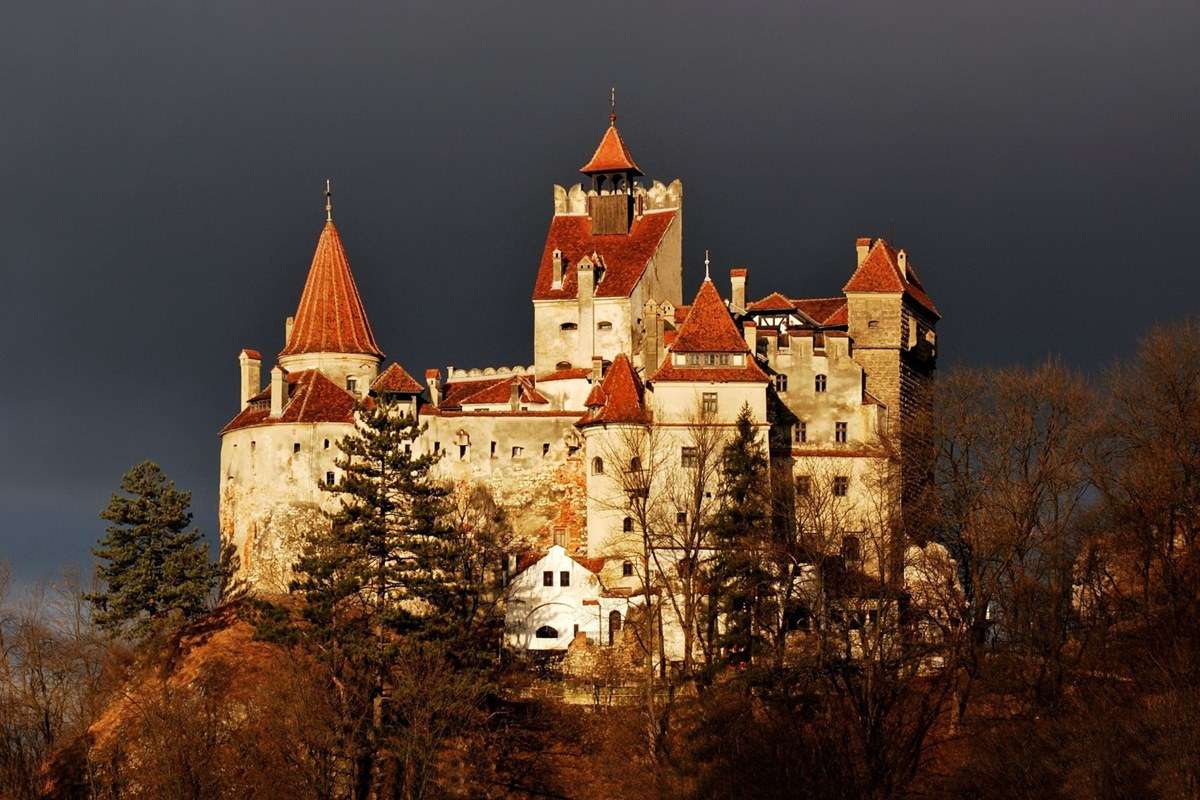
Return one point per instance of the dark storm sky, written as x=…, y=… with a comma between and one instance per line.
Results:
x=161, y=169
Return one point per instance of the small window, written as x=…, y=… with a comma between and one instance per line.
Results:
x=781, y=383
x=874, y=323
x=329, y=479
x=614, y=625
x=253, y=445
x=545, y=632
x=604, y=326
x=560, y=537
x=437, y=447
x=819, y=383
x=568, y=326
x=839, y=432
x=689, y=458
x=597, y=466
x=462, y=452
x=627, y=569
x=518, y=451
x=352, y=384
x=545, y=449
x=851, y=548
x=295, y=447
x=803, y=486
x=548, y=578
x=576, y=630
x=801, y=432
x=709, y=403
x=627, y=525
x=326, y=444
x=635, y=464
x=564, y=578
x=681, y=517
x=841, y=486
x=493, y=451
x=563, y=365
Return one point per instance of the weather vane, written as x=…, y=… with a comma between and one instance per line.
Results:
x=328, y=201
x=612, y=106
x=706, y=266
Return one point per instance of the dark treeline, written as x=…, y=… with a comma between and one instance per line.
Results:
x=1023, y=624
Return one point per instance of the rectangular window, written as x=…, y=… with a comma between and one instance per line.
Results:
x=564, y=578
x=296, y=447
x=437, y=448
x=548, y=578
x=689, y=458
x=781, y=383
x=709, y=403
x=801, y=432
x=803, y=486
x=518, y=451
x=681, y=517
x=841, y=486
x=329, y=479
x=462, y=452
x=839, y=432
x=545, y=449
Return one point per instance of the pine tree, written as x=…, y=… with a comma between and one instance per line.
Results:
x=153, y=569
x=741, y=533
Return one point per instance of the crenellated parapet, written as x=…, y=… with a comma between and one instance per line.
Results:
x=658, y=196
x=474, y=373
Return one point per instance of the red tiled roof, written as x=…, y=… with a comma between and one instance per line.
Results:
x=681, y=313
x=880, y=272
x=312, y=397
x=821, y=310
x=500, y=391
x=330, y=317
x=591, y=564
x=395, y=379
x=708, y=328
x=624, y=255
x=751, y=373
x=564, y=374
x=620, y=397
x=254, y=354
x=773, y=302
x=611, y=155
x=530, y=557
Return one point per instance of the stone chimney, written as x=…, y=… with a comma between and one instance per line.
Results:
x=514, y=395
x=557, y=260
x=278, y=391
x=585, y=279
x=435, y=390
x=597, y=369
x=737, y=289
x=862, y=246
x=750, y=331
x=652, y=338
x=287, y=330
x=902, y=262
x=250, y=363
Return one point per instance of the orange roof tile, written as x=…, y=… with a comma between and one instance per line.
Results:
x=823, y=310
x=773, y=302
x=708, y=328
x=252, y=354
x=395, y=379
x=312, y=397
x=624, y=255
x=611, y=155
x=330, y=317
x=500, y=391
x=880, y=272
x=619, y=398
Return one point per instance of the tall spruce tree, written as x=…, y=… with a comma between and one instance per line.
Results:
x=741, y=534
x=153, y=570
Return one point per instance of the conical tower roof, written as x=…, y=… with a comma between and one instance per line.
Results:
x=709, y=328
x=612, y=155
x=331, y=317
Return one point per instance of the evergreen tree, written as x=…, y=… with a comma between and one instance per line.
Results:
x=153, y=568
x=741, y=535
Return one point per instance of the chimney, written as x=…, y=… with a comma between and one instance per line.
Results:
x=750, y=331
x=902, y=262
x=250, y=363
x=287, y=330
x=278, y=391
x=597, y=369
x=585, y=280
x=435, y=390
x=514, y=395
x=737, y=289
x=557, y=260
x=652, y=323
x=862, y=246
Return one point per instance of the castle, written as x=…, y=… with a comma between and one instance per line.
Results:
x=615, y=349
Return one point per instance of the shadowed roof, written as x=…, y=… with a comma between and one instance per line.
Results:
x=312, y=397
x=623, y=256
x=330, y=317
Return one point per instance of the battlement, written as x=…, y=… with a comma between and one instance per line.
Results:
x=658, y=197
x=475, y=373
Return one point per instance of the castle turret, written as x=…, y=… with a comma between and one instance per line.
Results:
x=612, y=170
x=330, y=330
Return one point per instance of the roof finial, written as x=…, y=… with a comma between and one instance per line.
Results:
x=328, y=201
x=706, y=266
x=612, y=106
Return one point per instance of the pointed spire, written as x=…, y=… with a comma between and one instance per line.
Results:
x=328, y=200
x=706, y=276
x=708, y=328
x=612, y=106
x=611, y=155
x=330, y=317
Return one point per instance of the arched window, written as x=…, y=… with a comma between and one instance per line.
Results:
x=597, y=466
x=614, y=625
x=546, y=632
x=563, y=365
x=635, y=464
x=604, y=326
x=819, y=383
x=627, y=525
x=568, y=326
x=627, y=569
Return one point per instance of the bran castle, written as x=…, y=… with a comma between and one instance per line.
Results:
x=615, y=348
